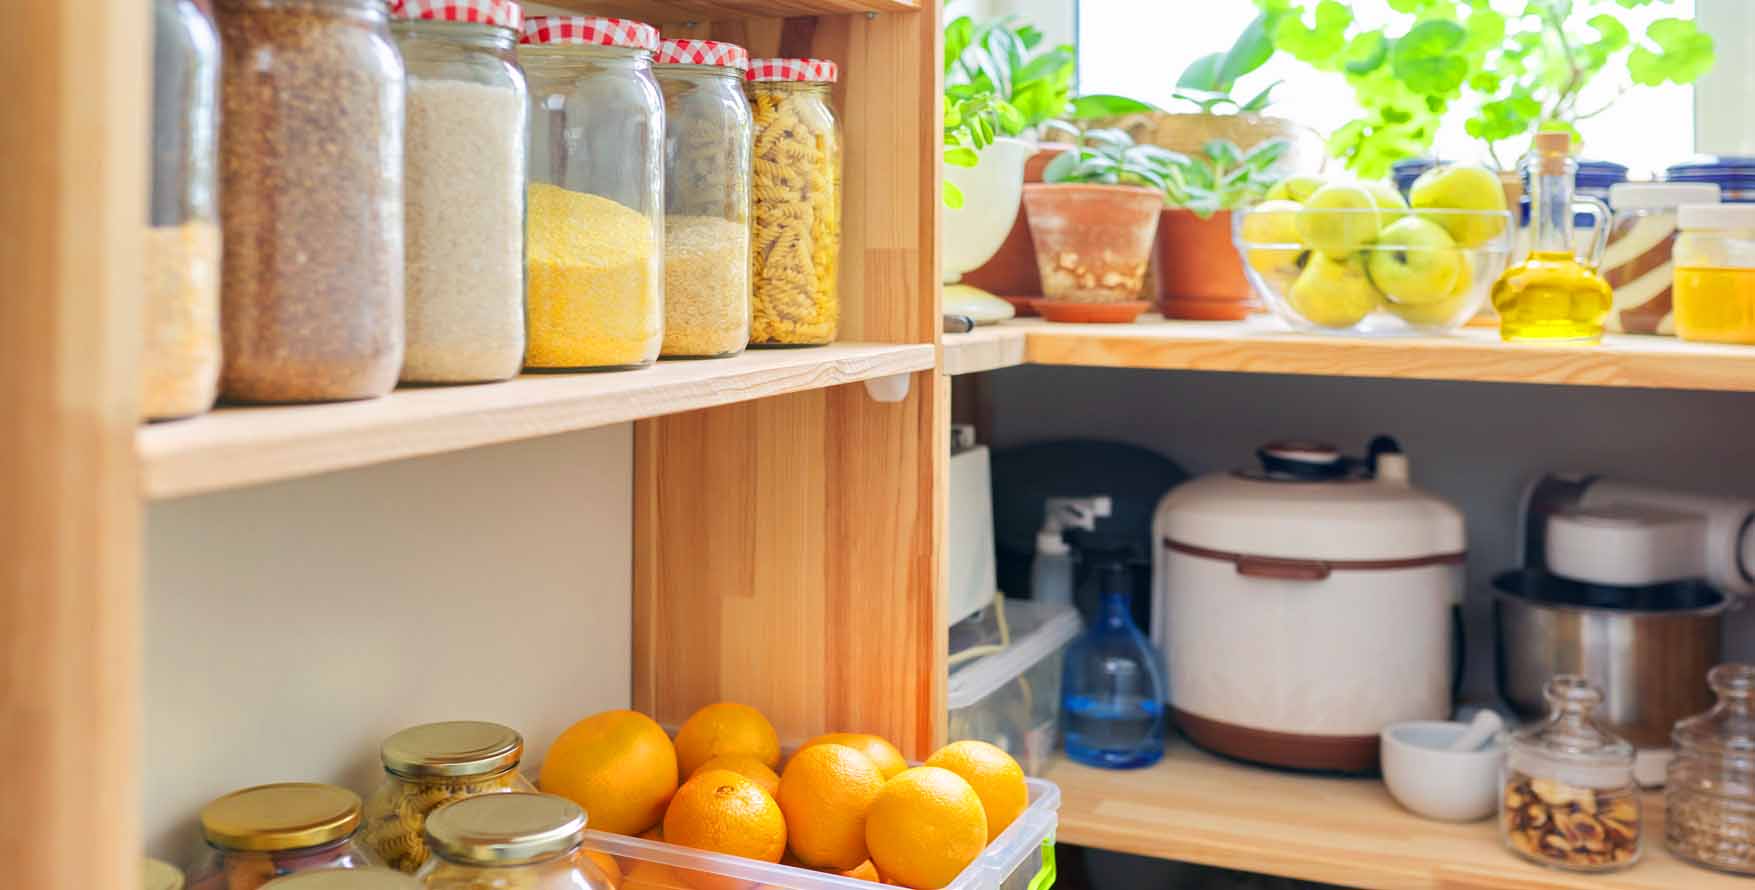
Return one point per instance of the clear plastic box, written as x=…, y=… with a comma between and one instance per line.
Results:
x=1022, y=858
x=1010, y=696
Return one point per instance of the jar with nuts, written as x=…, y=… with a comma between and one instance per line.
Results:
x=1709, y=795
x=1568, y=798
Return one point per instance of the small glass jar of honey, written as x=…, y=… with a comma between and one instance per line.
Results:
x=1714, y=257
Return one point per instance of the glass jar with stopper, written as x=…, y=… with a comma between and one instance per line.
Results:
x=1568, y=798
x=1554, y=294
x=1709, y=795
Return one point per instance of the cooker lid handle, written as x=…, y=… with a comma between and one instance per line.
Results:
x=1275, y=569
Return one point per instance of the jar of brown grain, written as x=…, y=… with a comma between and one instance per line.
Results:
x=311, y=200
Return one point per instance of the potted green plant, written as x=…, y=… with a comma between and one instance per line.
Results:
x=1092, y=220
x=1199, y=276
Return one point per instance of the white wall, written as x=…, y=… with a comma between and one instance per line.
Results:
x=290, y=627
x=1474, y=444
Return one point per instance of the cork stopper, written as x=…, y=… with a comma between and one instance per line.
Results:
x=1553, y=148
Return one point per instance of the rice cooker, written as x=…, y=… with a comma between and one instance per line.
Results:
x=1306, y=603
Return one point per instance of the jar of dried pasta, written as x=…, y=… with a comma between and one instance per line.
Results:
x=796, y=230
x=707, y=135
x=262, y=833
x=310, y=199
x=523, y=841
x=430, y=765
x=594, y=247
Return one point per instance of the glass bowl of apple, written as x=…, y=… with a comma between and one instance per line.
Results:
x=1345, y=257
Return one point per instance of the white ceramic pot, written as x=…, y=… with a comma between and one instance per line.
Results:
x=991, y=190
x=1305, y=606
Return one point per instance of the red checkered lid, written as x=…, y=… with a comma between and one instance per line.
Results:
x=812, y=70
x=497, y=13
x=588, y=30
x=681, y=51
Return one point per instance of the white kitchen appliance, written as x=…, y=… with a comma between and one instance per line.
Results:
x=1306, y=604
x=969, y=550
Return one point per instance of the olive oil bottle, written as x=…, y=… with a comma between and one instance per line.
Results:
x=1553, y=295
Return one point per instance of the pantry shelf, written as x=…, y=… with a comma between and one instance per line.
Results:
x=1261, y=347
x=1194, y=807
x=240, y=446
x=664, y=12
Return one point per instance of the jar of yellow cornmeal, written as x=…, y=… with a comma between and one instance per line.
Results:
x=1714, y=290
x=594, y=247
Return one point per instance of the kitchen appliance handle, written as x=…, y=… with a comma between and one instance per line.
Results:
x=1282, y=569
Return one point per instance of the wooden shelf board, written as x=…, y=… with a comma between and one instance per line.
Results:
x=1194, y=807
x=986, y=348
x=1262, y=347
x=666, y=12
x=239, y=446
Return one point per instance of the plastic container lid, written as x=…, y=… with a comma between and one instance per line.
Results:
x=807, y=70
x=494, y=13
x=1717, y=216
x=588, y=30
x=682, y=51
x=1661, y=195
x=1037, y=633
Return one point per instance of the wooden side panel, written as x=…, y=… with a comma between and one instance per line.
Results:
x=74, y=203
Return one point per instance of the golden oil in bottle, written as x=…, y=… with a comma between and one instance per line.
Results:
x=1553, y=295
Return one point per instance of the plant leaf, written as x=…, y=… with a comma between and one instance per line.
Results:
x=1260, y=100
x=953, y=195
x=962, y=156
x=1426, y=60
x=1103, y=105
x=1203, y=74
x=1061, y=167
x=1250, y=51
x=1366, y=53
x=1683, y=54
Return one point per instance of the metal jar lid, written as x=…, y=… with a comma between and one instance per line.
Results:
x=505, y=829
x=345, y=879
x=287, y=816
x=156, y=875
x=456, y=748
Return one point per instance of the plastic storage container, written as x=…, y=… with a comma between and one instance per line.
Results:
x=468, y=112
x=1021, y=858
x=522, y=841
x=311, y=200
x=595, y=243
x=1709, y=797
x=1714, y=290
x=1005, y=681
x=179, y=367
x=796, y=235
x=431, y=765
x=1637, y=262
x=262, y=833
x=1568, y=797
x=346, y=879
x=1734, y=175
x=707, y=145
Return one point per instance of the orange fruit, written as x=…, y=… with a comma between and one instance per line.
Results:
x=749, y=767
x=995, y=776
x=726, y=728
x=724, y=812
x=888, y=759
x=618, y=765
x=607, y=864
x=825, y=792
x=864, y=871
x=655, y=833
x=925, y=827
x=643, y=875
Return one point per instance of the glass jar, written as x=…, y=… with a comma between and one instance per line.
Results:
x=796, y=235
x=707, y=133
x=1642, y=238
x=527, y=841
x=179, y=367
x=1709, y=795
x=1714, y=291
x=431, y=765
x=1568, y=797
x=311, y=200
x=156, y=875
x=595, y=248
x=465, y=147
x=259, y=834
x=346, y=879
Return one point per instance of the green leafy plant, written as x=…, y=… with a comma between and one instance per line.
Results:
x=1110, y=157
x=1207, y=83
x=994, y=87
x=1221, y=177
x=1511, y=73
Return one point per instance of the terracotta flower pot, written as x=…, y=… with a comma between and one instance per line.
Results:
x=1093, y=242
x=1012, y=270
x=1200, y=276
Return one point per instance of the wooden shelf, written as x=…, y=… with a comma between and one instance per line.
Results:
x=1262, y=347
x=234, y=447
x=1194, y=807
x=664, y=12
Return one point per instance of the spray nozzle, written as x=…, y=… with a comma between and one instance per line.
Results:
x=1060, y=514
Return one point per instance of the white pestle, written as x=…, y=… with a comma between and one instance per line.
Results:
x=1486, y=724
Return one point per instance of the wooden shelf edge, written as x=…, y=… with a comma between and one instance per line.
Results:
x=984, y=349
x=237, y=447
x=1193, y=807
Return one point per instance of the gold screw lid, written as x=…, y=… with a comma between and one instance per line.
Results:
x=505, y=829
x=156, y=875
x=456, y=748
x=345, y=879
x=287, y=816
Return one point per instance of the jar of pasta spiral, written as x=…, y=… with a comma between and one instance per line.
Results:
x=707, y=135
x=523, y=841
x=594, y=245
x=796, y=231
x=269, y=831
x=430, y=765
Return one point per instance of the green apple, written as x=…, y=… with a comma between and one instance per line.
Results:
x=1414, y=262
x=1460, y=187
x=1296, y=188
x=1273, y=222
x=1442, y=312
x=1339, y=219
x=1389, y=200
x=1333, y=292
